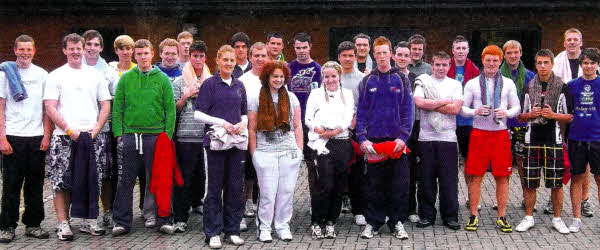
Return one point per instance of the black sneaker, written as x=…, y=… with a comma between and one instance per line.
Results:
x=7, y=235
x=473, y=223
x=503, y=224
x=36, y=232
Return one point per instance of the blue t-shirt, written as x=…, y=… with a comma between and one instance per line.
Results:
x=585, y=97
x=218, y=99
x=305, y=77
x=460, y=76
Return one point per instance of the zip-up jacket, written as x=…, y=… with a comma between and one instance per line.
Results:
x=144, y=103
x=385, y=106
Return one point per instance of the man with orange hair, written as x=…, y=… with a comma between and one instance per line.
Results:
x=490, y=98
x=385, y=113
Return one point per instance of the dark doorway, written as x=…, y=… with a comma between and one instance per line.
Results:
x=530, y=38
x=108, y=35
x=339, y=34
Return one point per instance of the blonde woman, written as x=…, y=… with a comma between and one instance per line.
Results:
x=329, y=113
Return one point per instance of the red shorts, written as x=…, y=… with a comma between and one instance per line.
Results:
x=567, y=174
x=489, y=148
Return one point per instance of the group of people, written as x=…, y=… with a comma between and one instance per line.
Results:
x=383, y=133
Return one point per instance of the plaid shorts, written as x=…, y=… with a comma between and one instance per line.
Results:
x=517, y=140
x=550, y=160
x=59, y=158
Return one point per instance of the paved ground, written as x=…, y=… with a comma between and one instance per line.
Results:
x=437, y=237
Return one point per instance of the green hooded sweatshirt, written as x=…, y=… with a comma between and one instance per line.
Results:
x=143, y=103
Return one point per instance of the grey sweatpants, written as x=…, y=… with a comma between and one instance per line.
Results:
x=138, y=152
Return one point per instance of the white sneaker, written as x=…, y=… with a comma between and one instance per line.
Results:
x=330, y=232
x=400, y=233
x=150, y=222
x=360, y=220
x=414, y=218
x=368, y=232
x=265, y=236
x=243, y=225
x=525, y=224
x=249, y=209
x=560, y=226
x=286, y=235
x=576, y=225
x=91, y=226
x=215, y=242
x=167, y=228
x=235, y=240
x=118, y=230
x=64, y=231
x=316, y=232
x=180, y=227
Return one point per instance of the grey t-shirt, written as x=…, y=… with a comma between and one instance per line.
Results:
x=276, y=141
x=188, y=129
x=351, y=82
x=447, y=88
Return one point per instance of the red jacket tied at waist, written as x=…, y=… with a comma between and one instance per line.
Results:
x=164, y=169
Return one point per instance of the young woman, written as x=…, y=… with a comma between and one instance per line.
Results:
x=221, y=105
x=275, y=143
x=329, y=113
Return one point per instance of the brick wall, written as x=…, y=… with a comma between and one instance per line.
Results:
x=439, y=26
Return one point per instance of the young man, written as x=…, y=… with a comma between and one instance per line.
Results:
x=258, y=57
x=385, y=96
x=463, y=70
x=136, y=130
x=363, y=62
x=306, y=76
x=167, y=49
x=402, y=59
x=184, y=40
x=94, y=44
x=351, y=78
x=275, y=46
x=584, y=134
x=417, y=50
x=514, y=69
x=493, y=99
x=545, y=111
x=71, y=98
x=189, y=137
x=240, y=43
x=439, y=98
x=124, y=49
x=24, y=137
x=567, y=66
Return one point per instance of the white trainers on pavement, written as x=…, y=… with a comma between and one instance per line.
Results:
x=215, y=242
x=525, y=224
x=399, y=231
x=560, y=226
x=576, y=225
x=64, y=231
x=235, y=240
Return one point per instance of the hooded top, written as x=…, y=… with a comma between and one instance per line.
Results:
x=144, y=103
x=385, y=106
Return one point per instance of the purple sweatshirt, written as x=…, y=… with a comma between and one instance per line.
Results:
x=385, y=106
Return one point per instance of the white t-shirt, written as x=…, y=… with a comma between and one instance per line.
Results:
x=78, y=92
x=447, y=88
x=24, y=118
x=252, y=84
x=509, y=101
